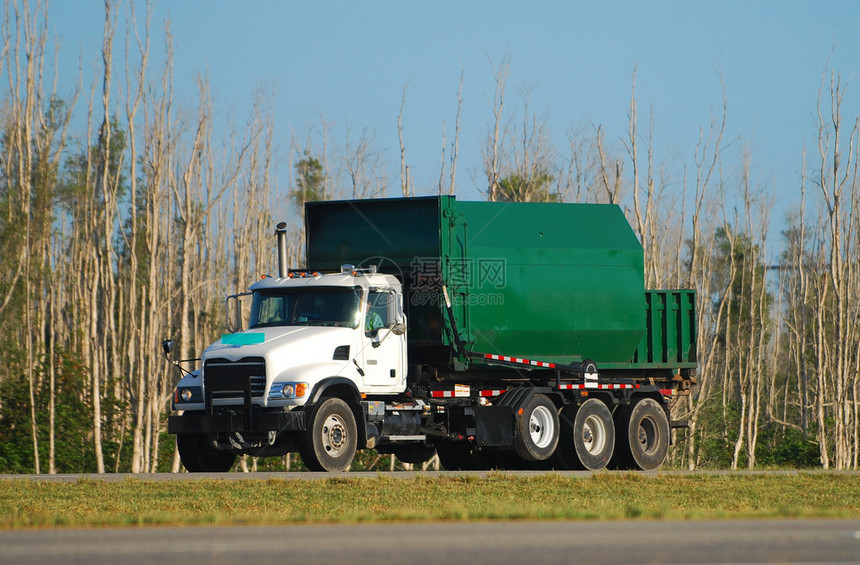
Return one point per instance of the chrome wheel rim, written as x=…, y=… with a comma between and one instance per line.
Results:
x=648, y=435
x=541, y=427
x=594, y=435
x=334, y=435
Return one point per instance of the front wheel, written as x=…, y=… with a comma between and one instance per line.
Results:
x=643, y=436
x=537, y=429
x=198, y=455
x=331, y=439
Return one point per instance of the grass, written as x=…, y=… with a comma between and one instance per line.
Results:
x=602, y=496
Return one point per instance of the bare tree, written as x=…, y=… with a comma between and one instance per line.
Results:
x=707, y=158
x=837, y=180
x=405, y=180
x=494, y=148
x=456, y=147
x=135, y=80
x=613, y=187
x=19, y=163
x=749, y=315
x=581, y=174
x=365, y=166
x=519, y=160
x=659, y=220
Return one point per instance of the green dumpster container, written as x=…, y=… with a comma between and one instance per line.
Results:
x=549, y=281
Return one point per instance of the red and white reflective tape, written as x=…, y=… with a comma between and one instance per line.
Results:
x=449, y=394
x=667, y=391
x=461, y=393
x=597, y=386
x=519, y=360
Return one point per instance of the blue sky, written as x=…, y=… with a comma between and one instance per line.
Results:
x=348, y=63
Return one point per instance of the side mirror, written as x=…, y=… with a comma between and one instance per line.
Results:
x=167, y=347
x=234, y=314
x=399, y=328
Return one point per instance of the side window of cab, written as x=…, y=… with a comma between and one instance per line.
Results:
x=377, y=309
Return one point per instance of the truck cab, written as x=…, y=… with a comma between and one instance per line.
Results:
x=319, y=326
x=309, y=335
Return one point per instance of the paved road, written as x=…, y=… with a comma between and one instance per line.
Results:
x=495, y=543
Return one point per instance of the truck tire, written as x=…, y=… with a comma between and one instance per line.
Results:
x=643, y=436
x=198, y=456
x=586, y=437
x=536, y=429
x=331, y=439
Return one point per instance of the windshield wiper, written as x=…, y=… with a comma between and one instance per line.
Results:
x=266, y=325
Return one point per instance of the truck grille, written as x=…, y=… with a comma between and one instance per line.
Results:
x=228, y=379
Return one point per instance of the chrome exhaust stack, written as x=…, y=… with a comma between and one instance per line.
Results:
x=281, y=234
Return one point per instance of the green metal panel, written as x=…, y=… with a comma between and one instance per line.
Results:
x=384, y=232
x=670, y=340
x=551, y=281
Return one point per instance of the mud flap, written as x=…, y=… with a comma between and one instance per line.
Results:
x=494, y=426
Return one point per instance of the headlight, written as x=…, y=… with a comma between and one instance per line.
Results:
x=295, y=390
x=288, y=390
x=187, y=394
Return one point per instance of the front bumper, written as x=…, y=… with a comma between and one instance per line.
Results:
x=197, y=423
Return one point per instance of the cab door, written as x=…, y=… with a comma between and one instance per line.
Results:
x=384, y=342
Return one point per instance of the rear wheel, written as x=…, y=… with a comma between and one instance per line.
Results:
x=331, y=439
x=593, y=435
x=586, y=437
x=643, y=436
x=198, y=455
x=537, y=429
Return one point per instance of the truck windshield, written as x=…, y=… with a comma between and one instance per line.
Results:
x=306, y=307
